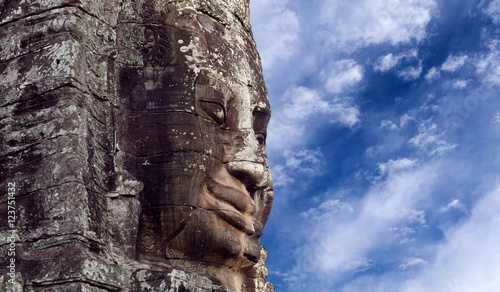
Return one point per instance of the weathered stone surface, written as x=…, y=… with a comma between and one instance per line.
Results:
x=173, y=279
x=132, y=146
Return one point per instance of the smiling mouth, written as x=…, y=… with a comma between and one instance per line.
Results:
x=238, y=197
x=234, y=205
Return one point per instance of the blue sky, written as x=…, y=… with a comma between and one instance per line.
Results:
x=384, y=143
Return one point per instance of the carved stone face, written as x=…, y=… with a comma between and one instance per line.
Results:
x=196, y=119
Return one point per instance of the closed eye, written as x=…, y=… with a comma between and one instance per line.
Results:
x=261, y=138
x=214, y=111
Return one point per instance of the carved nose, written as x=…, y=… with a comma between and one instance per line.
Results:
x=251, y=174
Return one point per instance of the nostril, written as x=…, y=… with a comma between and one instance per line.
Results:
x=241, y=176
x=249, y=173
x=251, y=190
x=254, y=189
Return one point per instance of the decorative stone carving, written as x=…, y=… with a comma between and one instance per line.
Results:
x=134, y=135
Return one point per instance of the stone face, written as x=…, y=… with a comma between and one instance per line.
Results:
x=132, y=146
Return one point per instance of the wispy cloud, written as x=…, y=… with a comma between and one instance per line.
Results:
x=410, y=262
x=363, y=22
x=278, y=28
x=434, y=73
x=303, y=103
x=283, y=134
x=304, y=162
x=396, y=165
x=389, y=61
x=493, y=11
x=411, y=73
x=450, y=65
x=400, y=198
x=328, y=208
x=496, y=118
x=453, y=63
x=342, y=75
x=390, y=125
x=460, y=84
x=488, y=64
x=431, y=140
x=453, y=205
x=336, y=249
x=468, y=258
x=404, y=120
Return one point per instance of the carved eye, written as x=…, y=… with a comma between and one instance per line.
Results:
x=215, y=111
x=261, y=138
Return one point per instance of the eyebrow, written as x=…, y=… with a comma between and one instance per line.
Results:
x=261, y=119
x=209, y=93
x=258, y=111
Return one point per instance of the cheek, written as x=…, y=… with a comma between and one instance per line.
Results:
x=153, y=134
x=212, y=139
x=222, y=241
x=172, y=178
x=197, y=234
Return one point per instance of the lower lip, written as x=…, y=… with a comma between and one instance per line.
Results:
x=237, y=220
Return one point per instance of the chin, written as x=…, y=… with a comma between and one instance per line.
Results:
x=195, y=234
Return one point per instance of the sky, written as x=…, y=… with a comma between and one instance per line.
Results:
x=383, y=143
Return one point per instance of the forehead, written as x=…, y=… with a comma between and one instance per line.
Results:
x=223, y=60
x=188, y=53
x=227, y=91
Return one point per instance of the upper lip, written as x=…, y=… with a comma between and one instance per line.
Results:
x=231, y=203
x=235, y=196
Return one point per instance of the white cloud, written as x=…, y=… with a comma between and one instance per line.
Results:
x=387, y=124
x=305, y=160
x=303, y=103
x=302, y=162
x=496, y=118
x=410, y=262
x=404, y=234
x=460, y=84
x=342, y=237
x=288, y=278
x=353, y=24
x=453, y=63
x=488, y=65
x=281, y=177
x=468, y=258
x=493, y=11
x=433, y=73
x=403, y=231
x=415, y=216
x=453, y=205
x=326, y=209
x=404, y=120
x=430, y=140
x=277, y=27
x=342, y=75
x=373, y=151
x=386, y=63
x=396, y=165
x=345, y=236
x=283, y=134
x=390, y=61
x=357, y=265
x=411, y=73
